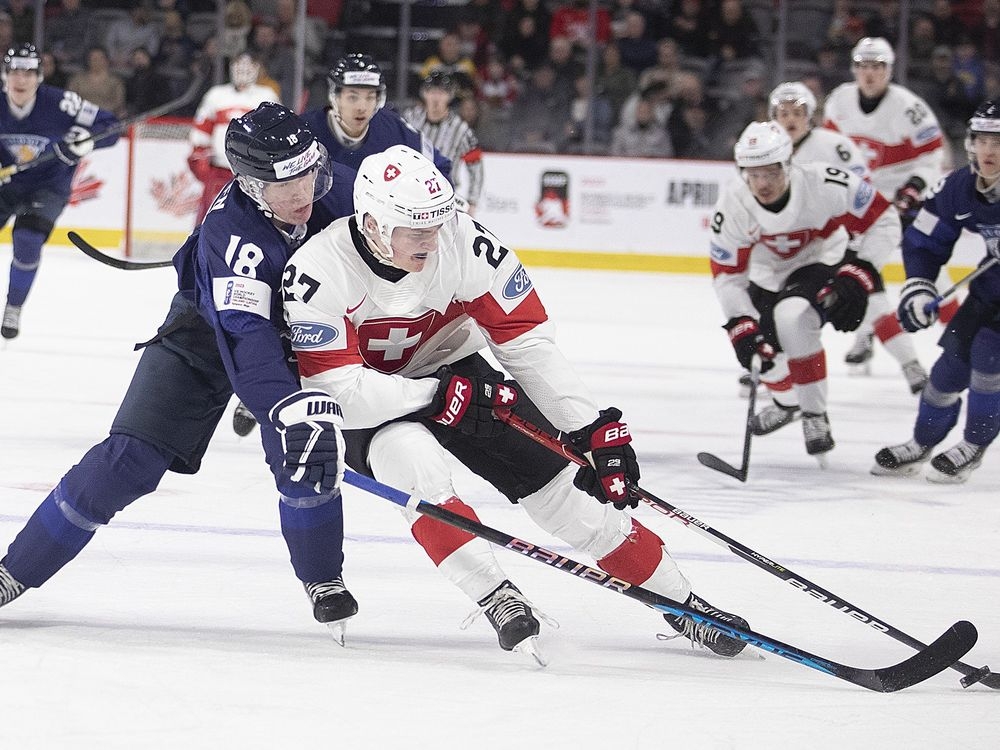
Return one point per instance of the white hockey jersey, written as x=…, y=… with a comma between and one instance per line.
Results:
x=900, y=138
x=829, y=147
x=218, y=106
x=752, y=244
x=368, y=341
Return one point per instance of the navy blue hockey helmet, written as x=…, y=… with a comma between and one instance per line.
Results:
x=272, y=144
x=358, y=70
x=22, y=57
x=986, y=119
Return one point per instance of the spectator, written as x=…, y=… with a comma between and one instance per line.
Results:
x=644, y=136
x=948, y=28
x=313, y=40
x=637, y=51
x=884, y=22
x=537, y=114
x=177, y=49
x=277, y=62
x=525, y=40
x=846, y=26
x=6, y=31
x=22, y=16
x=238, y=25
x=572, y=20
x=98, y=84
x=698, y=143
x=166, y=6
x=922, y=45
x=125, y=34
x=832, y=67
x=986, y=32
x=615, y=80
x=943, y=92
x=688, y=26
x=498, y=87
x=68, y=34
x=970, y=72
x=688, y=92
x=52, y=74
x=449, y=59
x=658, y=94
x=146, y=87
x=474, y=42
x=668, y=65
x=575, y=128
x=563, y=61
x=734, y=34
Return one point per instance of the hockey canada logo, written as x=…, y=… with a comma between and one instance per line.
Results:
x=552, y=209
x=306, y=335
x=517, y=285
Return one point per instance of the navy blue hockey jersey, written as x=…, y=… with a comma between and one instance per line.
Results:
x=55, y=113
x=955, y=205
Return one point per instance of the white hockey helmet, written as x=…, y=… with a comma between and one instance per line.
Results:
x=873, y=49
x=763, y=143
x=400, y=187
x=791, y=92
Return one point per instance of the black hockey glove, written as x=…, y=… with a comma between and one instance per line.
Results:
x=845, y=298
x=908, y=201
x=309, y=424
x=748, y=340
x=613, y=468
x=467, y=403
x=75, y=145
x=915, y=298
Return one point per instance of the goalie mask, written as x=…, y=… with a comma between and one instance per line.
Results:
x=272, y=145
x=401, y=188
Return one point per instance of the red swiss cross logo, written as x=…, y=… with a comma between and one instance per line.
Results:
x=388, y=344
x=391, y=173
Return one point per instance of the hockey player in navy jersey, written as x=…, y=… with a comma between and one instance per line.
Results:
x=55, y=127
x=969, y=198
x=356, y=124
x=225, y=331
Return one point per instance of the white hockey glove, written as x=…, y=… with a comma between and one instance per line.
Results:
x=75, y=145
x=918, y=304
x=309, y=423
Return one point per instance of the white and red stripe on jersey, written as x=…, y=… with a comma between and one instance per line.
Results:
x=830, y=147
x=370, y=342
x=900, y=138
x=218, y=106
x=753, y=244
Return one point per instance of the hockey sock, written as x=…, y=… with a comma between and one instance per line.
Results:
x=642, y=560
x=24, y=265
x=315, y=538
x=982, y=419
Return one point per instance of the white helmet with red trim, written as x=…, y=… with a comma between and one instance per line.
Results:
x=763, y=143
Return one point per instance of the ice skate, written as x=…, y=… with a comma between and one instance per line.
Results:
x=773, y=417
x=816, y=431
x=916, y=376
x=11, y=321
x=511, y=615
x=243, y=420
x=705, y=635
x=903, y=460
x=859, y=356
x=955, y=464
x=333, y=605
x=10, y=587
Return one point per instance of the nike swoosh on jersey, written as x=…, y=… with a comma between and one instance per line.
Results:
x=961, y=217
x=352, y=309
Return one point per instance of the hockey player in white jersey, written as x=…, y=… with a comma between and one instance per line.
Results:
x=899, y=135
x=792, y=105
x=779, y=281
x=389, y=310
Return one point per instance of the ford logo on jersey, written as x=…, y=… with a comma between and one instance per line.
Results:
x=720, y=253
x=518, y=283
x=864, y=195
x=312, y=335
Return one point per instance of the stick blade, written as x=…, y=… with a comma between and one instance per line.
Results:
x=950, y=646
x=109, y=260
x=714, y=462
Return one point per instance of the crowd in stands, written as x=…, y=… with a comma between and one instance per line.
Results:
x=673, y=77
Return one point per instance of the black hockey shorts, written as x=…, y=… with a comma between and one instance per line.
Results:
x=38, y=210
x=973, y=314
x=516, y=465
x=180, y=389
x=804, y=282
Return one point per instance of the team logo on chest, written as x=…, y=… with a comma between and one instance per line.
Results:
x=388, y=344
x=787, y=245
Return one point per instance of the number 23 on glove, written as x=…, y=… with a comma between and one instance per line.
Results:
x=612, y=467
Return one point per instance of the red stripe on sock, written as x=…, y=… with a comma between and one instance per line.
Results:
x=439, y=539
x=887, y=327
x=781, y=386
x=811, y=369
x=635, y=559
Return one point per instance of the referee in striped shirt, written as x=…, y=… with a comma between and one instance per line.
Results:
x=450, y=134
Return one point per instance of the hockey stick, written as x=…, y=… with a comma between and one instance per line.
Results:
x=972, y=674
x=110, y=260
x=951, y=645
x=714, y=462
x=119, y=127
x=936, y=303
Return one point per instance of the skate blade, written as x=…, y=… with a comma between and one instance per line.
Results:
x=860, y=369
x=529, y=647
x=338, y=629
x=902, y=471
x=936, y=477
x=823, y=460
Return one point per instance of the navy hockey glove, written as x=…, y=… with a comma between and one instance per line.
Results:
x=918, y=304
x=613, y=468
x=907, y=200
x=309, y=423
x=748, y=340
x=467, y=403
x=75, y=145
x=846, y=297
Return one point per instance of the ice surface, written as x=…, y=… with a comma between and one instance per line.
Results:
x=182, y=626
